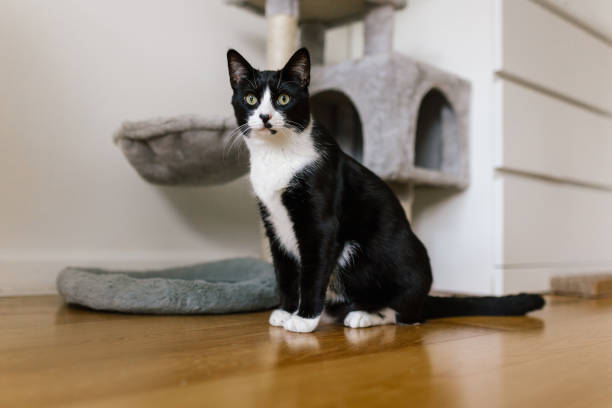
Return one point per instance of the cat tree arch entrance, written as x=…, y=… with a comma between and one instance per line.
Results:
x=436, y=137
x=338, y=114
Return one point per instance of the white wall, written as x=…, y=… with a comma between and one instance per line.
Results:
x=71, y=72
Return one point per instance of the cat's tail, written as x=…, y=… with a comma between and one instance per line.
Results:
x=512, y=305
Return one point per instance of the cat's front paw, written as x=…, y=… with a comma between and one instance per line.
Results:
x=278, y=317
x=301, y=324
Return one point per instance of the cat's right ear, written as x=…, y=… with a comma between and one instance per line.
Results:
x=238, y=67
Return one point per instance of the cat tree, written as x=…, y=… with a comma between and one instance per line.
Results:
x=405, y=120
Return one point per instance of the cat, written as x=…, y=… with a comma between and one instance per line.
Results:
x=340, y=241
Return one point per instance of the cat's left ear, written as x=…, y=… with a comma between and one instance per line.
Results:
x=298, y=67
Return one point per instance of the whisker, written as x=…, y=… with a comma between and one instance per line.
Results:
x=232, y=140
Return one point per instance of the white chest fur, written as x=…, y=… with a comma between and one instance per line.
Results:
x=275, y=160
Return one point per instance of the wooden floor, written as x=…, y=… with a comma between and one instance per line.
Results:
x=53, y=355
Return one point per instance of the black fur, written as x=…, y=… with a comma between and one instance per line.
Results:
x=337, y=201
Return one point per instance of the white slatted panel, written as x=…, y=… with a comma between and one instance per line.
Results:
x=546, y=136
x=538, y=279
x=595, y=15
x=548, y=224
x=543, y=48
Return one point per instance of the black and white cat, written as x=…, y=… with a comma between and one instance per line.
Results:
x=339, y=238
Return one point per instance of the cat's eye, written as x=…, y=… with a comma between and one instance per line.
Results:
x=283, y=99
x=250, y=99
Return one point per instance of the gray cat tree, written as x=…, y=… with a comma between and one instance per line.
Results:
x=405, y=120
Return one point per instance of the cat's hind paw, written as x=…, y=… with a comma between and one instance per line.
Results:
x=360, y=318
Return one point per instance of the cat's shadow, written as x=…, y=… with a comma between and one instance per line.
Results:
x=226, y=214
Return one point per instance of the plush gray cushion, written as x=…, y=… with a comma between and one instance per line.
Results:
x=186, y=150
x=233, y=285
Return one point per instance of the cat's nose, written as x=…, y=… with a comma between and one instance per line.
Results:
x=264, y=117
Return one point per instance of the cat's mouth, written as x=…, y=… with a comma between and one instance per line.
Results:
x=269, y=127
x=266, y=129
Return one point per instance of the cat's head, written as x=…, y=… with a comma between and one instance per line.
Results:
x=267, y=102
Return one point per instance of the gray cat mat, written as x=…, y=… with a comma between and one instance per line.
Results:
x=233, y=285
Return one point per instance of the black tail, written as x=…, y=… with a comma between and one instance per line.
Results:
x=513, y=305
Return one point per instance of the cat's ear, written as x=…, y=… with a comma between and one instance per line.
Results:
x=238, y=67
x=298, y=67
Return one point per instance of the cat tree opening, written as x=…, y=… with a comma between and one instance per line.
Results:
x=337, y=113
x=436, y=133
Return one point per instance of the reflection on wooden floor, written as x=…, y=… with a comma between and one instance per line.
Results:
x=53, y=355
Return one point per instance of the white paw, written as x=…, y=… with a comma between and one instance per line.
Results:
x=361, y=319
x=301, y=324
x=279, y=317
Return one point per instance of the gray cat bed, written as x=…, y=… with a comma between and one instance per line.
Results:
x=233, y=285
